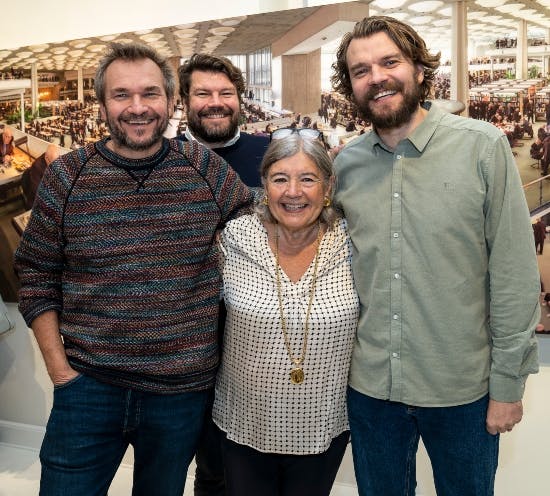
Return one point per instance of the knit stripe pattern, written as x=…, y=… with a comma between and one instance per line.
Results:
x=125, y=252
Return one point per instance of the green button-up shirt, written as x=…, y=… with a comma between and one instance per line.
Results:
x=444, y=263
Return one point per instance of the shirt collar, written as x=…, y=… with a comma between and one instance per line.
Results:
x=424, y=132
x=420, y=137
x=221, y=144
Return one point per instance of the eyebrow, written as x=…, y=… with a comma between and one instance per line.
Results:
x=301, y=174
x=148, y=88
x=396, y=55
x=205, y=88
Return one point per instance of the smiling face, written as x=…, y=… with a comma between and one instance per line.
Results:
x=295, y=189
x=213, y=108
x=136, y=108
x=386, y=85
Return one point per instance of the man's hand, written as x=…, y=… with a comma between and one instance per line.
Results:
x=501, y=417
x=46, y=332
x=61, y=377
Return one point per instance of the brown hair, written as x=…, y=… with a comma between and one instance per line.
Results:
x=209, y=63
x=404, y=36
x=132, y=52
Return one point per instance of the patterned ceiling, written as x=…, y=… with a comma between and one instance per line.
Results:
x=487, y=21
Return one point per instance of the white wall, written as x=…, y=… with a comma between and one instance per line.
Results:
x=32, y=22
x=25, y=388
x=29, y=22
x=26, y=398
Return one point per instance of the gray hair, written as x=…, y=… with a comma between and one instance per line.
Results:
x=131, y=52
x=288, y=147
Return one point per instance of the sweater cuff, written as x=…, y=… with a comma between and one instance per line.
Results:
x=38, y=307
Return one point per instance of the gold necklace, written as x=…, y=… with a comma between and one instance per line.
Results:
x=296, y=372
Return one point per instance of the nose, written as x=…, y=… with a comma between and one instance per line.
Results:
x=294, y=187
x=214, y=100
x=378, y=74
x=137, y=105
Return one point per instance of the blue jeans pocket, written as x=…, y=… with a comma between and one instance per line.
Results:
x=70, y=382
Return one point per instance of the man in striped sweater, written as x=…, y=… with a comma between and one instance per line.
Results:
x=119, y=282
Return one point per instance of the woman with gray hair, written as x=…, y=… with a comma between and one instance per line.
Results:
x=292, y=314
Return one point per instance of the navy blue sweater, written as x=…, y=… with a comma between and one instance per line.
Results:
x=244, y=156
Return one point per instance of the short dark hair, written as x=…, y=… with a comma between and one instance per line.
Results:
x=132, y=52
x=209, y=63
x=404, y=36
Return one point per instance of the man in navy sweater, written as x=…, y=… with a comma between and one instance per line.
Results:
x=211, y=89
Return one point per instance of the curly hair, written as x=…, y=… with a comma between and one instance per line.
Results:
x=412, y=46
x=132, y=52
x=209, y=63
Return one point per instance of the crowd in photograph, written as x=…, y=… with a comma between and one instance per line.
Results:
x=513, y=42
x=73, y=124
x=12, y=74
x=442, y=83
x=335, y=110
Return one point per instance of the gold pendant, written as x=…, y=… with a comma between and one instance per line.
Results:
x=297, y=375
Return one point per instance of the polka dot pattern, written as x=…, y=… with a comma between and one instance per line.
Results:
x=256, y=404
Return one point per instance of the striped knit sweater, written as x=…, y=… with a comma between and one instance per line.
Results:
x=125, y=252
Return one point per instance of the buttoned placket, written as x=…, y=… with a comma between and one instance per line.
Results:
x=395, y=283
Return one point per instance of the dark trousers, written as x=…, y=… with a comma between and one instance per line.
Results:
x=209, y=475
x=251, y=472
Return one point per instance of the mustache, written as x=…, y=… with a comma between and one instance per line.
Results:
x=377, y=88
x=143, y=115
x=216, y=111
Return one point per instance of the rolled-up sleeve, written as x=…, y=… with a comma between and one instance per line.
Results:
x=39, y=257
x=513, y=277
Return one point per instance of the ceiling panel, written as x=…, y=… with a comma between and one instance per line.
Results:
x=487, y=20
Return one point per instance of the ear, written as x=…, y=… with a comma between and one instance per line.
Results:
x=102, y=112
x=419, y=73
x=330, y=186
x=185, y=103
x=170, y=108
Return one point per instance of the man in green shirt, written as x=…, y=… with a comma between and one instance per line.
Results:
x=446, y=271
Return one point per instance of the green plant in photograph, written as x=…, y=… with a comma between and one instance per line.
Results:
x=15, y=117
x=533, y=71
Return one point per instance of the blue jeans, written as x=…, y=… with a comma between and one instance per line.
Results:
x=384, y=440
x=91, y=425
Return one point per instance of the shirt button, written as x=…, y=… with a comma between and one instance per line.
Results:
x=395, y=235
x=396, y=276
x=395, y=316
x=395, y=355
x=398, y=157
x=396, y=195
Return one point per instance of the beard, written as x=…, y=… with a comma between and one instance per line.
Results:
x=213, y=133
x=121, y=137
x=390, y=119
